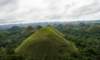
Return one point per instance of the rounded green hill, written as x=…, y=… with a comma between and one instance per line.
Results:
x=46, y=44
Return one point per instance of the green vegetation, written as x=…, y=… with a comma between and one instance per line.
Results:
x=46, y=44
x=79, y=41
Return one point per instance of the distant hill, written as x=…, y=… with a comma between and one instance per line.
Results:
x=7, y=26
x=46, y=44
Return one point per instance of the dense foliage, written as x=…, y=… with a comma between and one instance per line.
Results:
x=86, y=37
x=46, y=44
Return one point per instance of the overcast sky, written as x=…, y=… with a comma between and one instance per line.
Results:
x=17, y=11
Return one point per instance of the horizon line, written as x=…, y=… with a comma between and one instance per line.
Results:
x=47, y=21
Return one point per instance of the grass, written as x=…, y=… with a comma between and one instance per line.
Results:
x=47, y=43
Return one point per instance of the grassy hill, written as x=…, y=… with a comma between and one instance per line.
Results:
x=46, y=44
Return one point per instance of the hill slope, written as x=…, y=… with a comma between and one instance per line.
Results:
x=46, y=44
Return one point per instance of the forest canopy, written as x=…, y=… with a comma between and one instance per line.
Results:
x=84, y=36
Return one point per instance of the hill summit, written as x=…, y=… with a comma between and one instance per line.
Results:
x=46, y=44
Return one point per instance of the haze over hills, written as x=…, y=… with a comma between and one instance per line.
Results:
x=6, y=26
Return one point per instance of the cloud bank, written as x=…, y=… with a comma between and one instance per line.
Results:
x=17, y=11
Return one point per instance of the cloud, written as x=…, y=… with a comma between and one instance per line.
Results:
x=7, y=7
x=12, y=11
x=87, y=10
